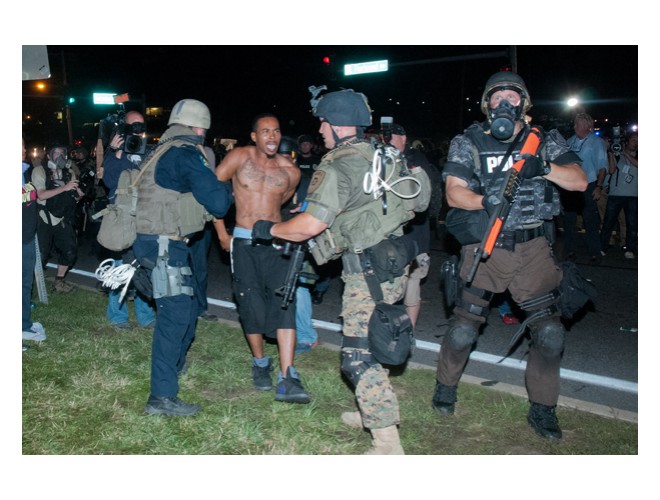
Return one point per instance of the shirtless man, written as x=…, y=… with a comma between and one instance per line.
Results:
x=262, y=182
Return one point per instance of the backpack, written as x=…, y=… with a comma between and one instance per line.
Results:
x=118, y=228
x=412, y=185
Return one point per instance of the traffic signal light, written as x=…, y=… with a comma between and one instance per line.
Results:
x=327, y=60
x=71, y=100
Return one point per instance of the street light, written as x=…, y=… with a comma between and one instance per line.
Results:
x=572, y=102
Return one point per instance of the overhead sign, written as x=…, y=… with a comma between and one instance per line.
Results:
x=365, y=67
x=103, y=98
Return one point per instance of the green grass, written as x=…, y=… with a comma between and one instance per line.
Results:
x=85, y=388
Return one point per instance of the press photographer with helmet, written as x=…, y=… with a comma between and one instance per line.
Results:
x=479, y=161
x=176, y=193
x=347, y=222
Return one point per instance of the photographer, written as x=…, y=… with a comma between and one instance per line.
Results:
x=623, y=196
x=58, y=193
x=126, y=150
x=85, y=171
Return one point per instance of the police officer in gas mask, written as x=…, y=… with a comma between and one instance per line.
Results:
x=522, y=260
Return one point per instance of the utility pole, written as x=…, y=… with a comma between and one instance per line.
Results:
x=513, y=55
x=67, y=107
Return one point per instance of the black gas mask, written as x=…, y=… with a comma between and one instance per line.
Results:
x=503, y=120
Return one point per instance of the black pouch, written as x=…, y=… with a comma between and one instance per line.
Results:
x=391, y=337
x=390, y=257
x=63, y=205
x=575, y=290
x=467, y=226
x=449, y=275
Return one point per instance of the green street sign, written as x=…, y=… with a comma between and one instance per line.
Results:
x=366, y=67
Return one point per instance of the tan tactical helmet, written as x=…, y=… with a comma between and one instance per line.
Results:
x=506, y=80
x=191, y=113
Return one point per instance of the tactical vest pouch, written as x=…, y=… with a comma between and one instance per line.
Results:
x=323, y=248
x=467, y=226
x=390, y=257
x=575, y=290
x=391, y=337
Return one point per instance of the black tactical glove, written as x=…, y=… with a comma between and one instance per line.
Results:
x=491, y=203
x=261, y=232
x=534, y=166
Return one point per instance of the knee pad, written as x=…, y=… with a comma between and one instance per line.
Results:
x=462, y=335
x=354, y=363
x=548, y=337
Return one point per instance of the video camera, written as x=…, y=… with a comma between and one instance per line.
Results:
x=135, y=141
x=617, y=145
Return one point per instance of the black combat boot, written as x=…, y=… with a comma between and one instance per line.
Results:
x=172, y=407
x=444, y=398
x=543, y=420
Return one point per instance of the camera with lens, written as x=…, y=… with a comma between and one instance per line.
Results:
x=87, y=183
x=617, y=145
x=133, y=134
x=134, y=140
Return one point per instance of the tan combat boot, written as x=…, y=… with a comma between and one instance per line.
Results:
x=385, y=442
x=352, y=419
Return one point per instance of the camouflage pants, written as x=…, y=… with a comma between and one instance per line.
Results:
x=375, y=397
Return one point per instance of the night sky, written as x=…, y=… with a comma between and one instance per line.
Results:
x=431, y=99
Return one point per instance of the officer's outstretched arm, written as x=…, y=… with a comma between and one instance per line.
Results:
x=300, y=228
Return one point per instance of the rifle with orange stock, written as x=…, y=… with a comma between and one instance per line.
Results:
x=507, y=196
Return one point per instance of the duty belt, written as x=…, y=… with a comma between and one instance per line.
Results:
x=248, y=242
x=508, y=239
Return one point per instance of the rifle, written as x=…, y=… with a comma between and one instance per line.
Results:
x=296, y=252
x=507, y=196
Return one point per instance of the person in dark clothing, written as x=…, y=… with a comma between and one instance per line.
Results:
x=418, y=229
x=522, y=261
x=175, y=197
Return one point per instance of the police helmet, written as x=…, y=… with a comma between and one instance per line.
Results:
x=344, y=108
x=506, y=80
x=305, y=138
x=287, y=147
x=191, y=113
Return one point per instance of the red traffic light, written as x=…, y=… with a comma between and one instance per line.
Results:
x=326, y=60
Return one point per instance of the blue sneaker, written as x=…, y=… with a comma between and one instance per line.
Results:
x=36, y=333
x=290, y=390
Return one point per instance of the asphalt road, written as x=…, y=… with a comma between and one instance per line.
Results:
x=600, y=364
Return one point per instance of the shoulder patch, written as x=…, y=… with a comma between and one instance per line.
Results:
x=204, y=160
x=317, y=180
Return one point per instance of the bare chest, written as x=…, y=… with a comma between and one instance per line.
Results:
x=262, y=178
